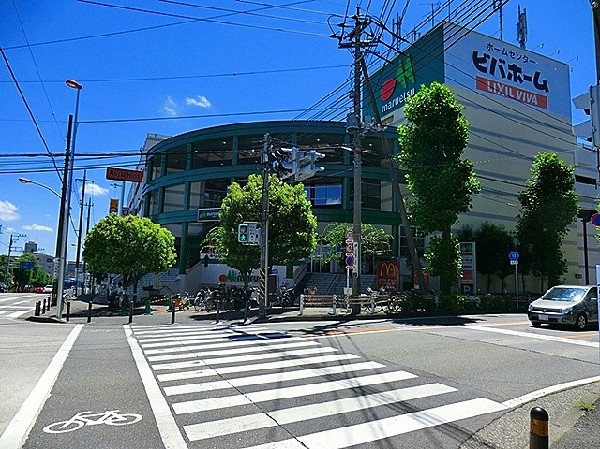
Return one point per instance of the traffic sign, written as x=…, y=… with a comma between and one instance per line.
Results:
x=513, y=255
x=595, y=219
x=349, y=262
x=514, y=262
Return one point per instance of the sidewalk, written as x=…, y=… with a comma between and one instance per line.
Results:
x=570, y=427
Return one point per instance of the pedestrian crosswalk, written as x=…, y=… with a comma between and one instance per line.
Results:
x=14, y=306
x=265, y=390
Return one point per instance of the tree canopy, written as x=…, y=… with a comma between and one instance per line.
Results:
x=441, y=182
x=292, y=225
x=131, y=246
x=549, y=204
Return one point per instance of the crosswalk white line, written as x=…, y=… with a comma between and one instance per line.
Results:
x=199, y=333
x=264, y=379
x=199, y=405
x=343, y=437
x=225, y=344
x=240, y=358
x=183, y=329
x=243, y=350
x=290, y=415
x=269, y=366
x=147, y=342
x=18, y=313
x=162, y=343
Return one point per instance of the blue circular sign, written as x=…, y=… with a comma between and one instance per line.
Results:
x=513, y=255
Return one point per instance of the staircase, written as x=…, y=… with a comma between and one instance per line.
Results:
x=334, y=283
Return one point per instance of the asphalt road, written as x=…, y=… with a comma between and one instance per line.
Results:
x=426, y=383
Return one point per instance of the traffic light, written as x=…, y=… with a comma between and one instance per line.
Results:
x=284, y=162
x=307, y=168
x=243, y=236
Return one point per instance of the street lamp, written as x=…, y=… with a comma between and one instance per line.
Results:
x=65, y=213
x=30, y=181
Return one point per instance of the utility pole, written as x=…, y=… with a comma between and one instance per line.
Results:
x=355, y=123
x=87, y=230
x=264, y=231
x=78, y=257
x=596, y=24
x=10, y=242
x=58, y=284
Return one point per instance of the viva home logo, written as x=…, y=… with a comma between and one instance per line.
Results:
x=405, y=76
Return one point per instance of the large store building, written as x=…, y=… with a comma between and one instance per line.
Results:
x=517, y=103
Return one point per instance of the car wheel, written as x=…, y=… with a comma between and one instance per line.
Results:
x=536, y=324
x=581, y=322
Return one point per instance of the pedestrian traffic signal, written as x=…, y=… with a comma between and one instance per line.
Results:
x=243, y=233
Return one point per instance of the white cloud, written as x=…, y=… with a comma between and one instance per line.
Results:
x=170, y=107
x=37, y=227
x=201, y=101
x=94, y=189
x=8, y=211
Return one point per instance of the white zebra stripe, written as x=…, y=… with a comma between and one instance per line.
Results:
x=243, y=350
x=224, y=344
x=264, y=379
x=213, y=429
x=368, y=432
x=239, y=358
x=200, y=405
x=269, y=366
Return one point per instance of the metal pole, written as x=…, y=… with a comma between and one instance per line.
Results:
x=65, y=233
x=586, y=262
x=8, y=278
x=78, y=257
x=122, y=201
x=264, y=223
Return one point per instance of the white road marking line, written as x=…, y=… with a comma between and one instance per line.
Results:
x=246, y=350
x=269, y=366
x=388, y=427
x=531, y=335
x=153, y=330
x=290, y=415
x=18, y=429
x=167, y=427
x=264, y=379
x=239, y=358
x=198, y=339
x=225, y=344
x=548, y=390
x=200, y=405
x=18, y=314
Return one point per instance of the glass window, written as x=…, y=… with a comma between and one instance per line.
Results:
x=212, y=153
x=176, y=158
x=174, y=198
x=419, y=242
x=371, y=195
x=324, y=194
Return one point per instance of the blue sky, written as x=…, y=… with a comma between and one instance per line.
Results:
x=167, y=67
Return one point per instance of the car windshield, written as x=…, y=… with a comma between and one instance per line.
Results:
x=564, y=294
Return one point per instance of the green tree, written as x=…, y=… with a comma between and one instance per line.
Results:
x=549, y=205
x=131, y=246
x=431, y=146
x=374, y=241
x=493, y=243
x=25, y=276
x=292, y=225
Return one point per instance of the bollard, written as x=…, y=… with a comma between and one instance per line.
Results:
x=130, y=312
x=44, y=306
x=334, y=304
x=218, y=309
x=172, y=314
x=37, y=308
x=68, y=310
x=147, y=307
x=301, y=304
x=538, y=438
x=89, y=317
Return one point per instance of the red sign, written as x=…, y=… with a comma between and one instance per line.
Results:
x=121, y=174
x=387, y=274
x=506, y=90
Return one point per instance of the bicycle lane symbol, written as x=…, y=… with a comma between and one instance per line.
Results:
x=83, y=419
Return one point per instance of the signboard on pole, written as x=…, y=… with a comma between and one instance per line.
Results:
x=114, y=205
x=211, y=214
x=122, y=174
x=468, y=283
